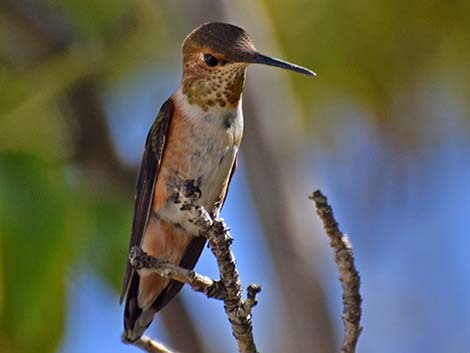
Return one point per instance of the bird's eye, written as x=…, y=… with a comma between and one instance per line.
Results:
x=210, y=60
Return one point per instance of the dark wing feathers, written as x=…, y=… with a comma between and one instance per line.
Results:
x=149, y=169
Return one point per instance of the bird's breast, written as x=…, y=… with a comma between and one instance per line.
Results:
x=212, y=145
x=202, y=146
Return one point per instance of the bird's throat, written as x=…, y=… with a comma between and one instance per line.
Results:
x=222, y=88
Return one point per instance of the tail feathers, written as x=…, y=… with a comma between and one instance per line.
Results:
x=136, y=320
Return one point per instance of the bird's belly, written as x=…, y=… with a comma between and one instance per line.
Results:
x=206, y=155
x=209, y=166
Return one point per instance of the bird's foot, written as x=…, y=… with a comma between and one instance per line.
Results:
x=191, y=190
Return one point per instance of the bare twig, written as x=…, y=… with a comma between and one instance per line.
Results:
x=349, y=276
x=228, y=288
x=213, y=289
x=148, y=345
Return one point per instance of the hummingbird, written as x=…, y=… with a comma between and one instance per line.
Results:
x=194, y=142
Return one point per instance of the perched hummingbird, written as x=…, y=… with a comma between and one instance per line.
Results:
x=194, y=138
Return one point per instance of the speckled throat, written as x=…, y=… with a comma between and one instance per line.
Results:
x=222, y=87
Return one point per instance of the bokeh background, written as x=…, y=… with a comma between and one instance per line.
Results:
x=384, y=131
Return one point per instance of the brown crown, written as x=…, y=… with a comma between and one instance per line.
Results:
x=231, y=41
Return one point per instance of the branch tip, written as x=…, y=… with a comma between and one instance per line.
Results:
x=349, y=276
x=253, y=290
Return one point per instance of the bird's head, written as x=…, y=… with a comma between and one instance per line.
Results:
x=215, y=58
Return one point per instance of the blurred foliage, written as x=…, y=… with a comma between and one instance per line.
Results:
x=53, y=215
x=35, y=252
x=48, y=222
x=374, y=51
x=91, y=18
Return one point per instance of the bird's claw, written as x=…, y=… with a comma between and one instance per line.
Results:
x=191, y=190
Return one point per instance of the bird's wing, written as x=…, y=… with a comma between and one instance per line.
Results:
x=149, y=169
x=223, y=195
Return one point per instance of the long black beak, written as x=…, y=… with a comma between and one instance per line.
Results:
x=267, y=60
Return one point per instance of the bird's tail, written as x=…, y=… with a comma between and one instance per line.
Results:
x=148, y=293
x=136, y=319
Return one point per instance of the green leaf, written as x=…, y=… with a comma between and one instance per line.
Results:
x=92, y=17
x=35, y=253
x=107, y=251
